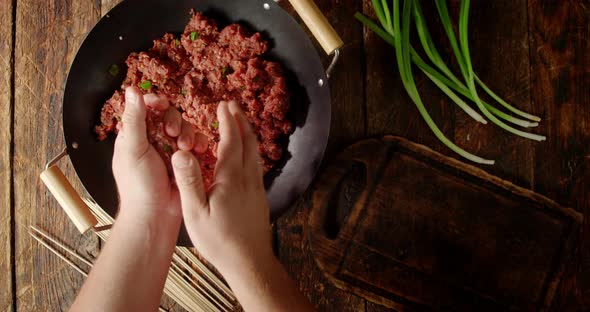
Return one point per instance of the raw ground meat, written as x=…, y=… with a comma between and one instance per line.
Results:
x=197, y=70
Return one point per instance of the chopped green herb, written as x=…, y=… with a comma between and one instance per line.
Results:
x=194, y=35
x=146, y=85
x=216, y=125
x=226, y=71
x=183, y=92
x=167, y=148
x=256, y=79
x=118, y=118
x=177, y=42
x=114, y=70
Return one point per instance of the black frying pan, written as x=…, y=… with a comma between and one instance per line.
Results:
x=131, y=26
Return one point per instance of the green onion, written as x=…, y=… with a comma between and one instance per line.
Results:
x=167, y=148
x=388, y=20
x=256, y=79
x=216, y=125
x=436, y=59
x=433, y=74
x=402, y=50
x=177, y=42
x=503, y=103
x=118, y=118
x=428, y=45
x=114, y=70
x=183, y=92
x=470, y=76
x=194, y=35
x=446, y=21
x=442, y=76
x=146, y=85
x=381, y=15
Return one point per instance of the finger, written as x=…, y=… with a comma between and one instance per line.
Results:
x=156, y=102
x=186, y=140
x=134, y=128
x=229, y=150
x=172, y=122
x=251, y=157
x=201, y=143
x=190, y=185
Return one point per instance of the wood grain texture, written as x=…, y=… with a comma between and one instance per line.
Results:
x=436, y=249
x=347, y=125
x=107, y=5
x=6, y=71
x=47, y=36
x=559, y=32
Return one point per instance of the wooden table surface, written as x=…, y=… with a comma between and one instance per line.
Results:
x=533, y=53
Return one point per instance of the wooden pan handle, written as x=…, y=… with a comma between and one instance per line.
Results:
x=318, y=24
x=68, y=198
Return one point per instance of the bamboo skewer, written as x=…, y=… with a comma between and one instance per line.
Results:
x=60, y=244
x=197, y=290
x=40, y=236
x=54, y=251
x=184, y=251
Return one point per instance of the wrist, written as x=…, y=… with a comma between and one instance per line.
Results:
x=149, y=224
x=146, y=213
x=241, y=262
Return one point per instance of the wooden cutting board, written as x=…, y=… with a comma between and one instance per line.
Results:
x=404, y=226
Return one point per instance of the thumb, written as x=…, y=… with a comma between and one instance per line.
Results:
x=190, y=185
x=134, y=127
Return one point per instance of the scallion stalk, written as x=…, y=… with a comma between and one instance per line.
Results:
x=399, y=37
x=443, y=12
x=402, y=50
x=470, y=76
x=434, y=74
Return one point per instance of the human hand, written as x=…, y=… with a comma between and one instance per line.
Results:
x=145, y=190
x=231, y=223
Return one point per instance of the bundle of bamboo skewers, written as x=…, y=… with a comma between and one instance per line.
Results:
x=190, y=283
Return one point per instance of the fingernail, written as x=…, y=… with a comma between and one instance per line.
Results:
x=182, y=160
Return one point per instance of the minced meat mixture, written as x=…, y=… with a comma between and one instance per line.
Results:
x=197, y=70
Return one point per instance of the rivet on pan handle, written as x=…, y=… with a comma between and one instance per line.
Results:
x=320, y=27
x=67, y=196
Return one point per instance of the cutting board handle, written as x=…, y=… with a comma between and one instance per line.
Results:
x=318, y=24
x=345, y=200
x=68, y=198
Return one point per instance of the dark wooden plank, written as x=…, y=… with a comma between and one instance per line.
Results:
x=498, y=41
x=6, y=46
x=559, y=32
x=48, y=35
x=347, y=126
